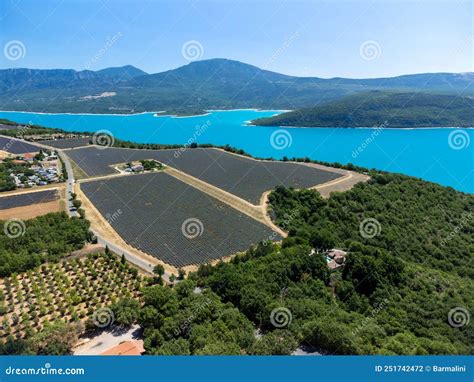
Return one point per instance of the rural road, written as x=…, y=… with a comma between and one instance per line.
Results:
x=70, y=175
x=130, y=257
x=70, y=181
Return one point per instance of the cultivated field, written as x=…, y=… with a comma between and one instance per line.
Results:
x=14, y=146
x=28, y=205
x=26, y=199
x=173, y=221
x=244, y=177
x=71, y=290
x=67, y=143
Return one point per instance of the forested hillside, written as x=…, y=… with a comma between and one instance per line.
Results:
x=406, y=272
x=406, y=287
x=383, y=109
x=198, y=86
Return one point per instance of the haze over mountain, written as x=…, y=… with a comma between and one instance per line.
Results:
x=200, y=85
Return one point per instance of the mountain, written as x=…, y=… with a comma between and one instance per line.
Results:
x=19, y=80
x=122, y=73
x=387, y=109
x=200, y=85
x=22, y=80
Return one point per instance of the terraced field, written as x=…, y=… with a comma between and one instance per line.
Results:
x=68, y=143
x=13, y=146
x=27, y=199
x=173, y=221
x=245, y=177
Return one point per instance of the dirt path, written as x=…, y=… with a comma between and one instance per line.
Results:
x=110, y=176
x=18, y=191
x=341, y=184
x=257, y=212
x=231, y=200
x=266, y=214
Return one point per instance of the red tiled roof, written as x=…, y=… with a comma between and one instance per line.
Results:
x=132, y=347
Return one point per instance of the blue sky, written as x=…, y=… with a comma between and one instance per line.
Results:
x=354, y=39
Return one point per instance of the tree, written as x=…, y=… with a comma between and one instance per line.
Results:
x=55, y=339
x=126, y=311
x=159, y=270
x=278, y=342
x=322, y=239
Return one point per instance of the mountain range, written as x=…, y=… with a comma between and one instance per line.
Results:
x=197, y=86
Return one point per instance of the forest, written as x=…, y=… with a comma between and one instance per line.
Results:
x=43, y=239
x=387, y=109
x=395, y=294
x=408, y=267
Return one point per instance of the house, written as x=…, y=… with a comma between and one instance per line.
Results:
x=332, y=265
x=29, y=157
x=335, y=258
x=137, y=168
x=130, y=347
x=18, y=161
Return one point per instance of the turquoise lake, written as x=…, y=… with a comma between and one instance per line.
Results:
x=445, y=156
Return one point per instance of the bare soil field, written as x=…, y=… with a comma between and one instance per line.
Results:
x=28, y=205
x=27, y=212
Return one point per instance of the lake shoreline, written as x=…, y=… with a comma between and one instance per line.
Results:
x=438, y=154
x=157, y=114
x=163, y=113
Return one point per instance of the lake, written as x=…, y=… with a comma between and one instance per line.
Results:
x=445, y=156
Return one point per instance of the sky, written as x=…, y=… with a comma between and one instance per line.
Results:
x=355, y=39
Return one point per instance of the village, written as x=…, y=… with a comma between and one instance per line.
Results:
x=31, y=169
